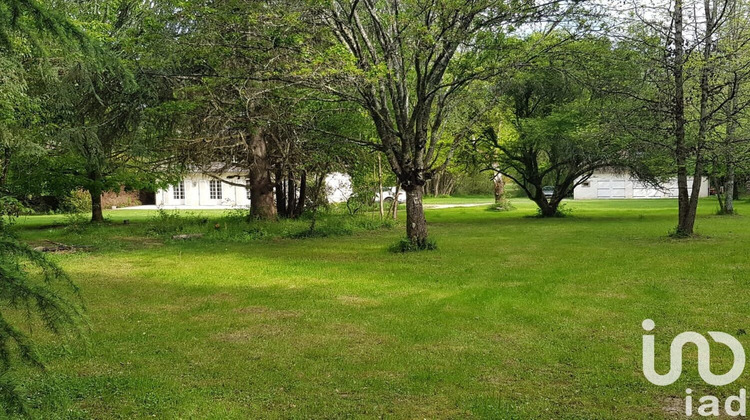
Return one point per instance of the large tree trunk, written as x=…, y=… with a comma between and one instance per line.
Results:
x=96, y=204
x=499, y=189
x=416, y=224
x=262, y=204
x=547, y=208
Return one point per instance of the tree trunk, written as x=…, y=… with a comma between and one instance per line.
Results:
x=316, y=199
x=96, y=204
x=684, y=227
x=719, y=193
x=394, y=205
x=436, y=181
x=280, y=194
x=416, y=224
x=729, y=182
x=380, y=187
x=729, y=190
x=499, y=189
x=302, y=195
x=547, y=208
x=262, y=204
x=291, y=191
x=687, y=224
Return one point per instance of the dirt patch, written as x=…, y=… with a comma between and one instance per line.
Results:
x=674, y=406
x=222, y=297
x=139, y=240
x=58, y=248
x=259, y=332
x=268, y=312
x=357, y=301
x=43, y=227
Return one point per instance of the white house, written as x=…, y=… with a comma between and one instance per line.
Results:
x=611, y=185
x=197, y=190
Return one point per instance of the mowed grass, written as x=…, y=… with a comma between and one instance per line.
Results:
x=513, y=317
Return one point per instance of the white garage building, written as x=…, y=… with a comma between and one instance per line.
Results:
x=610, y=185
x=198, y=191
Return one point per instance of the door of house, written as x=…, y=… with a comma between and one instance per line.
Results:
x=215, y=192
x=178, y=193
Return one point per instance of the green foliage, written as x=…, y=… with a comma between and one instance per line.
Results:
x=472, y=183
x=236, y=227
x=76, y=222
x=10, y=208
x=78, y=201
x=406, y=245
x=33, y=288
x=30, y=23
x=503, y=205
x=561, y=211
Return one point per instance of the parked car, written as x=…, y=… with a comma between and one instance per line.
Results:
x=388, y=195
x=548, y=191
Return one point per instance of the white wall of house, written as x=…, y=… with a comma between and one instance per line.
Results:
x=202, y=190
x=198, y=191
x=338, y=187
x=608, y=185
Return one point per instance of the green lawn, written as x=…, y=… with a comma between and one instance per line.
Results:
x=513, y=317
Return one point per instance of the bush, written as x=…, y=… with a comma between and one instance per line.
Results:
x=235, y=226
x=78, y=201
x=562, y=211
x=171, y=223
x=406, y=245
x=76, y=222
x=10, y=208
x=503, y=205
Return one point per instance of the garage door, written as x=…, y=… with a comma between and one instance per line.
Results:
x=611, y=188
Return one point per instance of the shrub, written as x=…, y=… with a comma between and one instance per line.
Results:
x=406, y=245
x=170, y=223
x=76, y=222
x=503, y=205
x=78, y=201
x=562, y=211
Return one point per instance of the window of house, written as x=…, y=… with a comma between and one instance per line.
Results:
x=214, y=189
x=179, y=191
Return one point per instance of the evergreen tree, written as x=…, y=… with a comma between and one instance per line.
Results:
x=31, y=286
